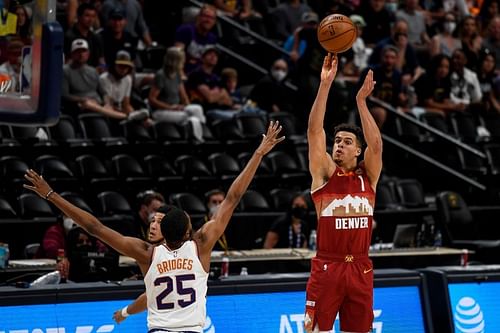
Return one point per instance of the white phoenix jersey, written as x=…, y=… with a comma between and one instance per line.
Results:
x=176, y=288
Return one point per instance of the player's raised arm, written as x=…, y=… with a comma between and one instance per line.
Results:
x=320, y=162
x=371, y=132
x=129, y=246
x=212, y=230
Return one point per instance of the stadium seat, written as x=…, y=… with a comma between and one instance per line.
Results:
x=188, y=202
x=31, y=205
x=135, y=131
x=197, y=176
x=113, y=203
x=164, y=174
x=93, y=172
x=65, y=133
x=253, y=201
x=56, y=172
x=77, y=200
x=12, y=170
x=410, y=193
x=464, y=127
x=251, y=125
x=436, y=120
x=130, y=174
x=386, y=196
x=223, y=165
x=290, y=172
x=6, y=210
x=493, y=154
x=282, y=198
x=95, y=127
x=459, y=228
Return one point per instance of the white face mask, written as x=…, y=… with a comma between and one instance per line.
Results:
x=450, y=26
x=68, y=224
x=278, y=74
x=212, y=210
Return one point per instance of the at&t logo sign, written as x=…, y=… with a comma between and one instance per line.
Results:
x=468, y=316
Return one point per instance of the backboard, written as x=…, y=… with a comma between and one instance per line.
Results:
x=31, y=62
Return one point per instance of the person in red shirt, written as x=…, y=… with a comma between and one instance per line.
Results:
x=343, y=192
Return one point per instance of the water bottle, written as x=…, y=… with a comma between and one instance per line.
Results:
x=438, y=239
x=312, y=240
x=244, y=271
x=3, y=256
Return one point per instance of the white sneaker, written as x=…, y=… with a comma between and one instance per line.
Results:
x=138, y=115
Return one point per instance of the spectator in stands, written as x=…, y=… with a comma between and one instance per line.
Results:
x=24, y=25
x=205, y=87
x=12, y=65
x=378, y=21
x=489, y=10
x=407, y=62
x=356, y=58
x=417, y=29
x=149, y=202
x=465, y=86
x=81, y=86
x=471, y=41
x=213, y=199
x=286, y=17
x=86, y=14
x=444, y=42
x=168, y=97
x=309, y=21
x=87, y=257
x=229, y=78
x=270, y=93
x=292, y=229
x=434, y=87
x=116, y=86
x=492, y=40
x=116, y=38
x=193, y=38
x=494, y=102
x=486, y=76
x=243, y=12
x=136, y=25
x=389, y=83
x=55, y=237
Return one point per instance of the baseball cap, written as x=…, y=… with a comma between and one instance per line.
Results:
x=210, y=47
x=117, y=13
x=78, y=44
x=123, y=58
x=310, y=17
x=358, y=19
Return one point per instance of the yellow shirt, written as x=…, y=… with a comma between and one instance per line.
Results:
x=8, y=23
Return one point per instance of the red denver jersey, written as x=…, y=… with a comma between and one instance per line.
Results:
x=344, y=206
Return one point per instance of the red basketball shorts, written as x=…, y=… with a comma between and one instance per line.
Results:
x=340, y=284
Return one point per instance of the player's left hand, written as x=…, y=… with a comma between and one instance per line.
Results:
x=329, y=70
x=367, y=87
x=39, y=185
x=270, y=139
x=117, y=316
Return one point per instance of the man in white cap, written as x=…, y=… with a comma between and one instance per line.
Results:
x=80, y=89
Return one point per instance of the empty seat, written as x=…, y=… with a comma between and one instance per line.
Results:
x=96, y=128
x=77, y=200
x=163, y=173
x=12, y=170
x=464, y=126
x=226, y=130
x=190, y=166
x=165, y=131
x=6, y=210
x=386, y=196
x=251, y=125
x=223, y=165
x=253, y=201
x=65, y=132
x=131, y=174
x=135, y=131
x=436, y=120
x=407, y=131
x=113, y=203
x=52, y=167
x=31, y=206
x=493, y=154
x=188, y=202
x=282, y=198
x=410, y=192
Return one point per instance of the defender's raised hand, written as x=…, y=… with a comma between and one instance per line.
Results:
x=270, y=139
x=38, y=184
x=329, y=70
x=367, y=87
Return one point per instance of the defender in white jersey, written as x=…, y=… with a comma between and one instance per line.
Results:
x=176, y=298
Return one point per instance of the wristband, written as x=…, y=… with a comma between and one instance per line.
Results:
x=49, y=193
x=125, y=314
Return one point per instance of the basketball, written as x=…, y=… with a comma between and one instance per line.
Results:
x=337, y=33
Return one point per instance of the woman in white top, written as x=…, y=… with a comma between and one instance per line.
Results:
x=444, y=42
x=168, y=97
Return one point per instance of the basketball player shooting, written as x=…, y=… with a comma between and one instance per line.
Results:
x=343, y=192
x=175, y=272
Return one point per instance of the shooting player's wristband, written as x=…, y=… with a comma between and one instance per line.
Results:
x=125, y=314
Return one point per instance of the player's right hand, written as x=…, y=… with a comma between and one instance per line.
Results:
x=270, y=139
x=117, y=316
x=329, y=70
x=38, y=184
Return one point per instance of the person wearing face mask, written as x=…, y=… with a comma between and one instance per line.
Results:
x=148, y=202
x=270, y=93
x=444, y=42
x=213, y=199
x=55, y=238
x=89, y=259
x=290, y=230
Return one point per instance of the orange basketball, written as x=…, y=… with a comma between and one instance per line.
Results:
x=337, y=33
